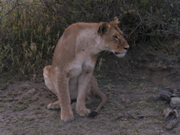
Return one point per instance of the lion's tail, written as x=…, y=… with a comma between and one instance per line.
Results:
x=102, y=95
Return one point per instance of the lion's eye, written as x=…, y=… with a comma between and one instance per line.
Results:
x=116, y=37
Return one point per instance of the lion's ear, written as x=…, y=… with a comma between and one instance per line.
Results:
x=103, y=28
x=115, y=21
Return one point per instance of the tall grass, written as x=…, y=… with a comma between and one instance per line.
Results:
x=28, y=37
x=30, y=29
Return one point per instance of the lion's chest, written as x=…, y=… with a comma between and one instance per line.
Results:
x=82, y=63
x=88, y=65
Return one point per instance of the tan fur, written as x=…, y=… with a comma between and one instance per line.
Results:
x=71, y=74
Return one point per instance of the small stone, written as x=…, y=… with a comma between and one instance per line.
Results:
x=175, y=102
x=31, y=91
x=171, y=124
x=167, y=112
x=176, y=93
x=26, y=86
x=140, y=116
x=165, y=95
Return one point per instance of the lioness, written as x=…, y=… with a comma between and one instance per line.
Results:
x=71, y=74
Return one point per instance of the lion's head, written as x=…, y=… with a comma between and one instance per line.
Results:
x=113, y=38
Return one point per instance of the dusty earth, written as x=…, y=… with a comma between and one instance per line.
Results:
x=132, y=108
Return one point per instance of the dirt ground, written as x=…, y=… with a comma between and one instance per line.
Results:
x=132, y=107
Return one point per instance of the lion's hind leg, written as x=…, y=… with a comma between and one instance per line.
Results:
x=50, y=85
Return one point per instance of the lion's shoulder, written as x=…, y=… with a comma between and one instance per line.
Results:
x=80, y=26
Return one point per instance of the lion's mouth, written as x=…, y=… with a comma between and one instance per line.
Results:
x=118, y=54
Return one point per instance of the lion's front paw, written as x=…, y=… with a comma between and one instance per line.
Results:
x=83, y=111
x=67, y=116
x=53, y=106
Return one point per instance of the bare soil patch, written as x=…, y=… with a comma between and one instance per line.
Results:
x=131, y=109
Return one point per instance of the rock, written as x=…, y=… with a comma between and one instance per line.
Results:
x=176, y=93
x=172, y=124
x=167, y=112
x=170, y=113
x=172, y=118
x=175, y=102
x=165, y=95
